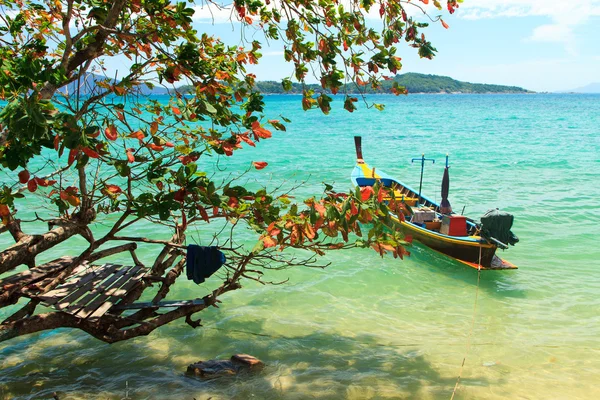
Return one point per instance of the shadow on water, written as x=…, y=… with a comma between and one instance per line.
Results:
x=316, y=365
x=499, y=284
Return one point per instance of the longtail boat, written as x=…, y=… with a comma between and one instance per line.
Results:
x=436, y=226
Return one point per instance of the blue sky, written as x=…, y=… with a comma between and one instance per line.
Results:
x=541, y=45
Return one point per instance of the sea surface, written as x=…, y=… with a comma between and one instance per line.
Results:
x=368, y=327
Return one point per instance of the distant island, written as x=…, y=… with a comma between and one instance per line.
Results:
x=413, y=82
x=590, y=88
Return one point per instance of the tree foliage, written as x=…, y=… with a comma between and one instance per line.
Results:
x=109, y=152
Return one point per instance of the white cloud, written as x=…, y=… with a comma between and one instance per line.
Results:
x=211, y=14
x=566, y=16
x=552, y=33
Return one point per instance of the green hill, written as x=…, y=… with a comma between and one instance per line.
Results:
x=413, y=82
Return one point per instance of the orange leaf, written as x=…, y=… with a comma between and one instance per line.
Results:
x=137, y=135
x=130, y=156
x=273, y=230
x=169, y=144
x=176, y=111
x=259, y=164
x=444, y=24
x=110, y=133
x=156, y=147
x=320, y=209
x=73, y=200
x=114, y=189
x=154, y=127
x=4, y=210
x=268, y=241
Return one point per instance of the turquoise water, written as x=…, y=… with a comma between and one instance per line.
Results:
x=367, y=327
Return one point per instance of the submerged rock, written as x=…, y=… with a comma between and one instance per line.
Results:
x=236, y=364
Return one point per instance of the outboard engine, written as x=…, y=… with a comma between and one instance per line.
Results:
x=495, y=227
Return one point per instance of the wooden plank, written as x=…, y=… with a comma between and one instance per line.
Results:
x=66, y=288
x=114, y=288
x=81, y=290
x=116, y=295
x=73, y=281
x=36, y=273
x=160, y=304
x=98, y=289
x=61, y=297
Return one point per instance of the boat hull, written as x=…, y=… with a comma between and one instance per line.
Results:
x=469, y=251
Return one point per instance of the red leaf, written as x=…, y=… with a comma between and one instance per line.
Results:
x=353, y=209
x=180, y=195
x=24, y=176
x=72, y=155
x=110, y=133
x=382, y=193
x=56, y=139
x=130, y=156
x=259, y=164
x=259, y=131
x=203, y=213
x=233, y=202
x=90, y=153
x=169, y=144
x=366, y=192
x=247, y=140
x=43, y=182
x=32, y=185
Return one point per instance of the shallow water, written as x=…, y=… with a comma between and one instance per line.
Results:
x=367, y=327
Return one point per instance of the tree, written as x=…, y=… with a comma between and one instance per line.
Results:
x=91, y=147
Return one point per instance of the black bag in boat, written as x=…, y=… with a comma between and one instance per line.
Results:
x=496, y=224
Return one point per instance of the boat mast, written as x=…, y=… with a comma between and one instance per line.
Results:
x=423, y=159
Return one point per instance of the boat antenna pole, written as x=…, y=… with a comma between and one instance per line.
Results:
x=358, y=146
x=423, y=159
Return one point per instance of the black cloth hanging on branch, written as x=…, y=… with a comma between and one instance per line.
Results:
x=203, y=261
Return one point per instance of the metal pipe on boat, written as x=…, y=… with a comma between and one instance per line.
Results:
x=423, y=159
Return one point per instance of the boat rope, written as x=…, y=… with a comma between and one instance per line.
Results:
x=472, y=327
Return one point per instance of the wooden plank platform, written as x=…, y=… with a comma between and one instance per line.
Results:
x=91, y=292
